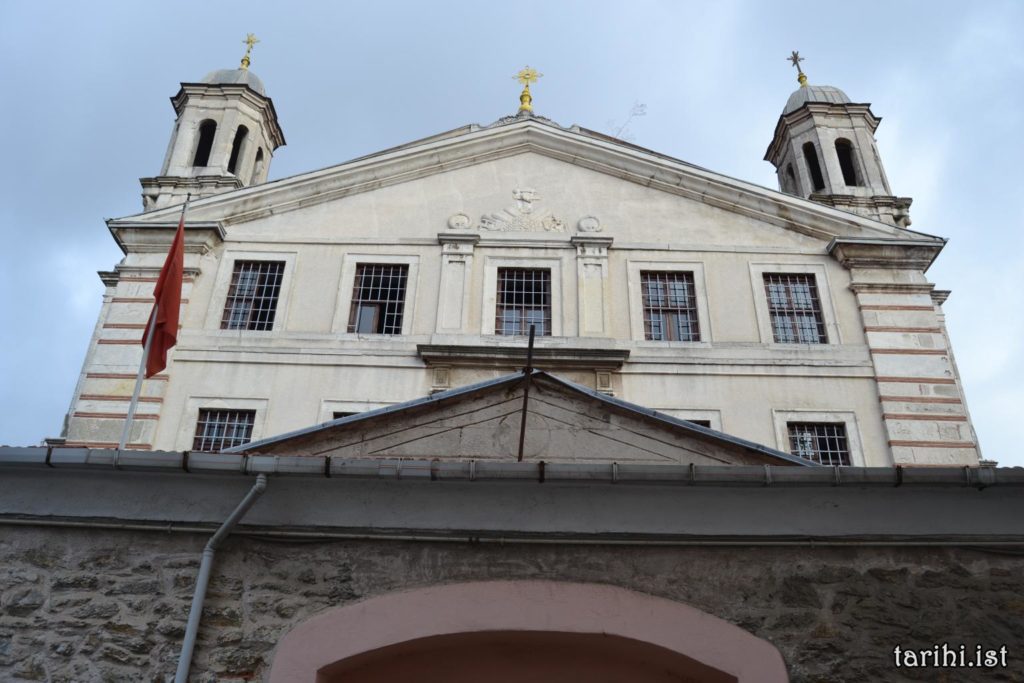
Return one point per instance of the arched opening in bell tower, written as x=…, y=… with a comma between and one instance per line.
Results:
x=811, y=156
x=844, y=149
x=207, y=129
x=236, y=148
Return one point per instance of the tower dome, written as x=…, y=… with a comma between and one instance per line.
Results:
x=814, y=93
x=235, y=77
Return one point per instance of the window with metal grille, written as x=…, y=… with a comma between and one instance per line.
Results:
x=822, y=442
x=220, y=429
x=524, y=299
x=378, y=298
x=252, y=297
x=795, y=309
x=670, y=306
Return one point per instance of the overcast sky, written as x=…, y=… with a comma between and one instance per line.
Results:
x=86, y=113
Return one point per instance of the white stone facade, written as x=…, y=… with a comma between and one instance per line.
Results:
x=594, y=214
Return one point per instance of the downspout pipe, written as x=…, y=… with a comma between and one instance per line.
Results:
x=205, y=566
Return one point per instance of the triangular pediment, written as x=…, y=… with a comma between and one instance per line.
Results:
x=481, y=149
x=565, y=423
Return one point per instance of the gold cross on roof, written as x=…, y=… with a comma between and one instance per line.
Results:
x=528, y=76
x=250, y=40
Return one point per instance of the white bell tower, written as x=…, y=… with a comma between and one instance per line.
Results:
x=824, y=150
x=223, y=139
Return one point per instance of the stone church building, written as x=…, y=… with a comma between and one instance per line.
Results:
x=739, y=449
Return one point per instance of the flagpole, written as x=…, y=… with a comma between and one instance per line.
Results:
x=138, y=381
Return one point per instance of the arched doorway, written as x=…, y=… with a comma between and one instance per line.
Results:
x=502, y=631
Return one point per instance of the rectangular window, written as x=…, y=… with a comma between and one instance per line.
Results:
x=252, y=297
x=524, y=299
x=701, y=423
x=822, y=442
x=220, y=429
x=795, y=309
x=378, y=298
x=670, y=306
x=338, y=414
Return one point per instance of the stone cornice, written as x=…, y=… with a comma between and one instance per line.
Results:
x=512, y=356
x=891, y=288
x=138, y=236
x=910, y=254
x=458, y=238
x=475, y=147
x=592, y=240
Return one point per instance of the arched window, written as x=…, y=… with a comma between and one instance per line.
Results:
x=236, y=148
x=207, y=129
x=257, y=168
x=844, y=148
x=811, y=155
x=791, y=179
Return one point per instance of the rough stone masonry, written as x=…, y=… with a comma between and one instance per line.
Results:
x=97, y=605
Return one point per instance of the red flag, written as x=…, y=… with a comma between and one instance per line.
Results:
x=168, y=303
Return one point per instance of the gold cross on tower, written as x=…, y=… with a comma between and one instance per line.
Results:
x=795, y=58
x=526, y=77
x=250, y=40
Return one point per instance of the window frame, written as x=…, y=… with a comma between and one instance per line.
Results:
x=713, y=417
x=795, y=309
x=522, y=319
x=672, y=314
x=193, y=404
x=346, y=287
x=229, y=411
x=330, y=406
x=636, y=304
x=489, y=304
x=228, y=315
x=847, y=418
x=761, y=309
x=378, y=307
x=222, y=286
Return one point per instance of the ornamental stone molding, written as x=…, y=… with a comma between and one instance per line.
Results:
x=522, y=216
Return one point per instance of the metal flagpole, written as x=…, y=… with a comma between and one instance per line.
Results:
x=138, y=382
x=527, y=373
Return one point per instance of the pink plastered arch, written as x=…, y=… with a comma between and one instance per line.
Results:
x=521, y=606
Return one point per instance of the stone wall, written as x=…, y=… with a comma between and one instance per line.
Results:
x=93, y=605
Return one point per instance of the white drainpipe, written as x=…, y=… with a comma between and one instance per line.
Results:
x=195, y=613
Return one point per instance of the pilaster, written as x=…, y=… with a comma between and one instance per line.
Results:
x=920, y=392
x=100, y=404
x=453, y=292
x=592, y=287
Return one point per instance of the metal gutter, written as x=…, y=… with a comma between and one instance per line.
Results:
x=44, y=459
x=502, y=538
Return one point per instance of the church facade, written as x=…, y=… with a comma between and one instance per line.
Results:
x=738, y=451
x=800, y=319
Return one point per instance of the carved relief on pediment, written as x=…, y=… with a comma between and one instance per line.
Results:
x=523, y=216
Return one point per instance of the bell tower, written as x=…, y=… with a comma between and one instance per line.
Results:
x=224, y=137
x=824, y=150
